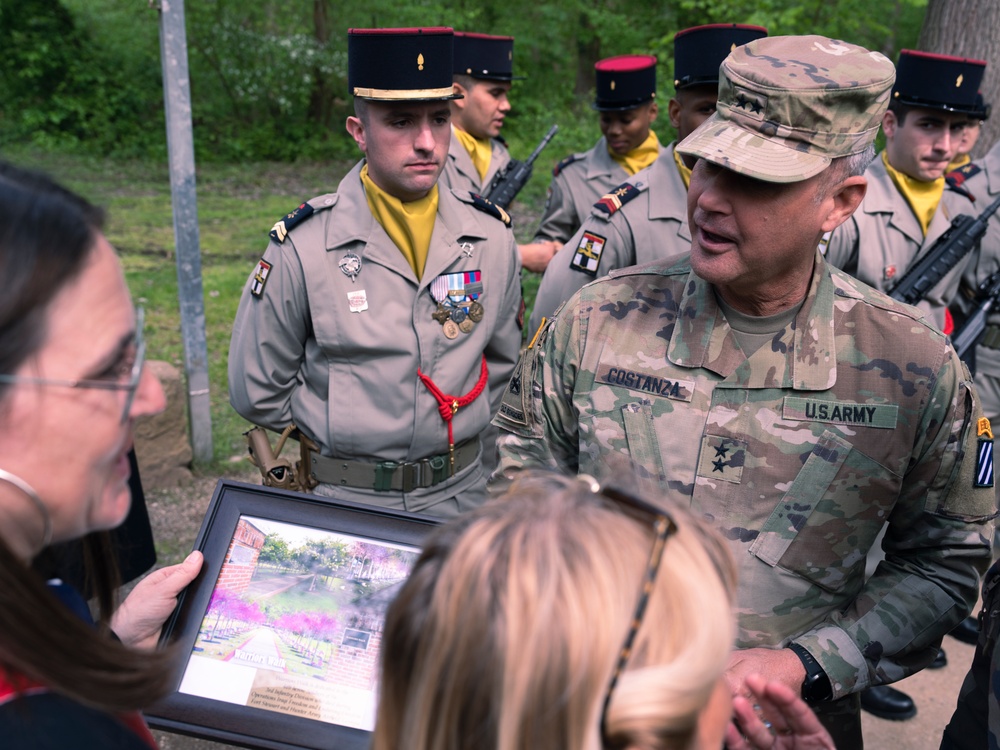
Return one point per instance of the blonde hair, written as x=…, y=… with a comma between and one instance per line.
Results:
x=507, y=632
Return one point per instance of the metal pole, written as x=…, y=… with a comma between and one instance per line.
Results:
x=180, y=147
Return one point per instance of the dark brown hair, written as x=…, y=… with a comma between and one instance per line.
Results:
x=46, y=236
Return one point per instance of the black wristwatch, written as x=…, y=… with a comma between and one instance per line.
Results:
x=816, y=686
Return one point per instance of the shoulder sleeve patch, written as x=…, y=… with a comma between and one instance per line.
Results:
x=587, y=256
x=301, y=212
x=613, y=201
x=956, y=180
x=488, y=207
x=565, y=163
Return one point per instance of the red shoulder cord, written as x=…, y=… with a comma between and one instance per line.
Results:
x=449, y=405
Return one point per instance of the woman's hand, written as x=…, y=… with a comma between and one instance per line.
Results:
x=139, y=619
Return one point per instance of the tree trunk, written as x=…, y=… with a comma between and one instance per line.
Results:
x=946, y=30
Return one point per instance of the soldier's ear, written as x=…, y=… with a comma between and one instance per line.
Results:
x=674, y=113
x=846, y=197
x=889, y=123
x=356, y=128
x=459, y=89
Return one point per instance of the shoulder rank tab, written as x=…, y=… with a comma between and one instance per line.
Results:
x=956, y=180
x=613, y=201
x=487, y=206
x=302, y=212
x=565, y=163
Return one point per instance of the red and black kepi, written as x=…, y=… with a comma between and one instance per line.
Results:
x=412, y=64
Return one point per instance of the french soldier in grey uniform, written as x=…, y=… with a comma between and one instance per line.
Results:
x=383, y=318
x=645, y=217
x=907, y=206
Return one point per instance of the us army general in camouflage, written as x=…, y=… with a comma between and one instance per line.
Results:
x=796, y=407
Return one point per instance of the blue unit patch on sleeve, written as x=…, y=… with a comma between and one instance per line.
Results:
x=613, y=201
x=289, y=221
x=487, y=206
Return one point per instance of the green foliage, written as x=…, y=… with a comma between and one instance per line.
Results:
x=269, y=78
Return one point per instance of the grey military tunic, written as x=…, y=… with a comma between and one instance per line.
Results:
x=856, y=413
x=648, y=220
x=883, y=238
x=339, y=356
x=578, y=182
x=460, y=173
x=985, y=188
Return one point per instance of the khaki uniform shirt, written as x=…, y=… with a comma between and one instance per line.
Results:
x=460, y=173
x=652, y=224
x=339, y=357
x=576, y=186
x=883, y=238
x=985, y=188
x=855, y=414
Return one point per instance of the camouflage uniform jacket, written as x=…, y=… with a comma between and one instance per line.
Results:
x=651, y=223
x=575, y=188
x=975, y=725
x=984, y=187
x=460, y=173
x=856, y=414
x=339, y=357
x=883, y=238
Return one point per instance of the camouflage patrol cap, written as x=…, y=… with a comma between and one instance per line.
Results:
x=788, y=105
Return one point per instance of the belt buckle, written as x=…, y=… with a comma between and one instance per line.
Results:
x=384, y=471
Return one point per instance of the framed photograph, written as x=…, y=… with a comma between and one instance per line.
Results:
x=282, y=627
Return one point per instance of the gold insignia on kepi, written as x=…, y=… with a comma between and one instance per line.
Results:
x=612, y=85
x=420, y=62
x=958, y=82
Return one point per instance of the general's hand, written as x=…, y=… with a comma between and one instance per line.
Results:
x=793, y=724
x=139, y=619
x=536, y=255
x=775, y=665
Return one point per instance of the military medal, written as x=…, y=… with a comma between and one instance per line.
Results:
x=441, y=314
x=350, y=264
x=456, y=294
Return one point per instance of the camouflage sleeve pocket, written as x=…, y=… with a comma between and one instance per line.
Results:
x=519, y=406
x=971, y=496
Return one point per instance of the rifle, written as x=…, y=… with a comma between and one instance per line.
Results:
x=507, y=183
x=962, y=236
x=968, y=335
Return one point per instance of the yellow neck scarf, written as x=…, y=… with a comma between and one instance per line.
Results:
x=683, y=169
x=409, y=225
x=480, y=149
x=923, y=197
x=641, y=156
x=960, y=161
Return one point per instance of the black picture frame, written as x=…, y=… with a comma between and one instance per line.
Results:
x=233, y=503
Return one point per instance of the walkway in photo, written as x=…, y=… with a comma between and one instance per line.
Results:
x=259, y=650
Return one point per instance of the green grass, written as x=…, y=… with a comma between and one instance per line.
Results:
x=237, y=205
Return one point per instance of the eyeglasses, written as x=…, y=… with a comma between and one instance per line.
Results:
x=663, y=527
x=129, y=385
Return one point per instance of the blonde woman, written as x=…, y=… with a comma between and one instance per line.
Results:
x=565, y=616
